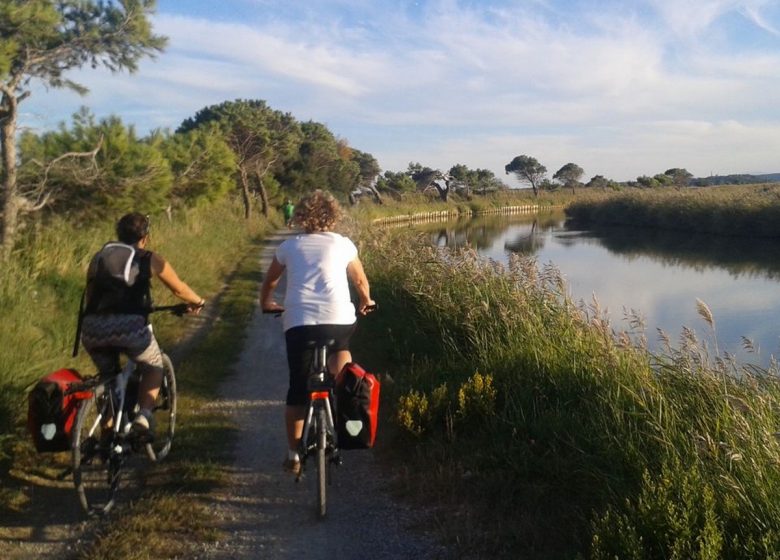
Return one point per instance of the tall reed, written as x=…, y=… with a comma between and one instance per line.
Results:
x=582, y=443
x=749, y=210
x=41, y=286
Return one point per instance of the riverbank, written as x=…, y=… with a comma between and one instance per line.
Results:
x=532, y=428
x=543, y=435
x=744, y=210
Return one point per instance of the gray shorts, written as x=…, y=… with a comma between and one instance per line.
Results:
x=105, y=337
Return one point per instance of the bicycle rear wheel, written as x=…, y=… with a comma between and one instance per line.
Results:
x=322, y=466
x=164, y=414
x=95, y=467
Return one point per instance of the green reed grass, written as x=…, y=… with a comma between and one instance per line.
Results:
x=593, y=446
x=41, y=286
x=749, y=210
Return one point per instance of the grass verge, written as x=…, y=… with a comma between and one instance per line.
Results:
x=744, y=210
x=541, y=433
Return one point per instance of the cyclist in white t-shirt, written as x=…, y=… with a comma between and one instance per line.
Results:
x=320, y=265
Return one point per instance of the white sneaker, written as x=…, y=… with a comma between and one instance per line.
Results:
x=142, y=423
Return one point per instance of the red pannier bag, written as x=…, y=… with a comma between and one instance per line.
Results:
x=357, y=407
x=51, y=413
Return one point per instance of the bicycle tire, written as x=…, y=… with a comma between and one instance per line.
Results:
x=322, y=466
x=164, y=414
x=95, y=468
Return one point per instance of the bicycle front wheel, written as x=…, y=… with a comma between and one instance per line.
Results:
x=164, y=414
x=322, y=472
x=95, y=466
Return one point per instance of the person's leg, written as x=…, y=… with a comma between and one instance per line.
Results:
x=150, y=367
x=298, y=360
x=340, y=354
x=337, y=360
x=294, y=416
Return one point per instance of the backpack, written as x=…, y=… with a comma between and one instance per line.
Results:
x=357, y=407
x=121, y=283
x=118, y=268
x=50, y=413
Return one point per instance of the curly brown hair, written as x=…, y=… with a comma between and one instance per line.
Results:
x=318, y=211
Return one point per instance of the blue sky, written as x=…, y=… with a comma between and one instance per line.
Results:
x=621, y=88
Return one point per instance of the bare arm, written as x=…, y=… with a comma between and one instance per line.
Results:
x=358, y=278
x=167, y=275
x=270, y=282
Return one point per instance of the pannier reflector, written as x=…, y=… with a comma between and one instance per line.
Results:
x=48, y=431
x=353, y=427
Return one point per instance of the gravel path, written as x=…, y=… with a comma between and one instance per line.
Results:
x=262, y=511
x=265, y=513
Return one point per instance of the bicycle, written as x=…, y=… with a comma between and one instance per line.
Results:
x=319, y=438
x=102, y=441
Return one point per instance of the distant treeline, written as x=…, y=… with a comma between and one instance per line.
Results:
x=738, y=179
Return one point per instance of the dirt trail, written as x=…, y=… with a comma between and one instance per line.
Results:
x=264, y=512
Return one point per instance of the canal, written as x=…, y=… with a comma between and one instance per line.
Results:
x=658, y=276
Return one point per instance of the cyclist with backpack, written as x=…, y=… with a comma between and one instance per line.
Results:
x=319, y=265
x=116, y=304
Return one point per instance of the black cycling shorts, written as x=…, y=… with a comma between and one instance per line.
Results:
x=301, y=342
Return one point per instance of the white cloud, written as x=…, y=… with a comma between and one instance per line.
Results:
x=617, y=92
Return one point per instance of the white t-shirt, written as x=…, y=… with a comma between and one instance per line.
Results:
x=317, y=287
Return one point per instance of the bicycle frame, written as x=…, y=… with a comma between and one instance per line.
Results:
x=103, y=440
x=320, y=398
x=319, y=430
x=114, y=405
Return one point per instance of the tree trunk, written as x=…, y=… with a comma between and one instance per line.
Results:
x=9, y=200
x=377, y=196
x=444, y=191
x=245, y=192
x=263, y=196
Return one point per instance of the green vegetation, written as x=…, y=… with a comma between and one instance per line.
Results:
x=752, y=210
x=542, y=434
x=42, y=40
x=41, y=289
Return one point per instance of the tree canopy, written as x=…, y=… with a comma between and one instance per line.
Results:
x=261, y=140
x=527, y=170
x=569, y=175
x=44, y=40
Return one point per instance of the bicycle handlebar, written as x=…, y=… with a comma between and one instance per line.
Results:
x=278, y=312
x=178, y=309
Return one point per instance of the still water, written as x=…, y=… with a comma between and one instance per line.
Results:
x=658, y=275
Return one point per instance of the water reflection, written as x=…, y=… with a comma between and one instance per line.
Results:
x=738, y=255
x=658, y=274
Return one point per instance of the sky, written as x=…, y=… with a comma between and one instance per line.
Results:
x=622, y=88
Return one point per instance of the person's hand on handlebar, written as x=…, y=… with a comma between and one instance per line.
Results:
x=366, y=307
x=195, y=308
x=272, y=307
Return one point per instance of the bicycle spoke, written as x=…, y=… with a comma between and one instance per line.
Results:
x=164, y=415
x=95, y=475
x=322, y=472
